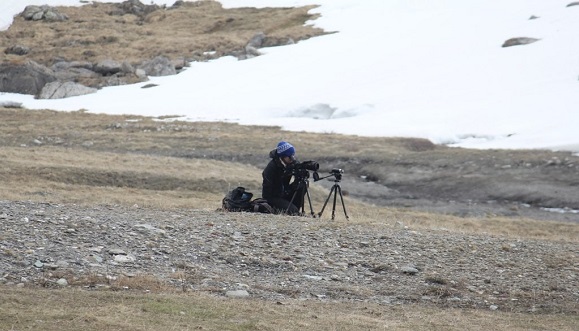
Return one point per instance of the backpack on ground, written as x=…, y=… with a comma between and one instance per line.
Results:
x=260, y=205
x=239, y=199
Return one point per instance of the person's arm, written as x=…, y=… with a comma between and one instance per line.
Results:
x=269, y=183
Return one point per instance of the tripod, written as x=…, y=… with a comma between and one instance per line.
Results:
x=337, y=173
x=302, y=186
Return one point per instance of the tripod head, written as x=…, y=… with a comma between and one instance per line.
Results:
x=337, y=173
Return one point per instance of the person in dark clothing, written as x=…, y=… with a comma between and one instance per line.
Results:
x=277, y=189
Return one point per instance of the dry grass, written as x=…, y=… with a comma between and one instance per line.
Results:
x=126, y=310
x=83, y=177
x=92, y=34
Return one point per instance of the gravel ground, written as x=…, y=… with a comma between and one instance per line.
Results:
x=281, y=258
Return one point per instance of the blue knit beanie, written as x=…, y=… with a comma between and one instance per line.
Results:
x=285, y=149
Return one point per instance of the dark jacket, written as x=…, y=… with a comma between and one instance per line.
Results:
x=275, y=181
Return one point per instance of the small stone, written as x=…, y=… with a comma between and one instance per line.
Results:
x=62, y=282
x=313, y=277
x=95, y=259
x=117, y=251
x=237, y=294
x=409, y=270
x=494, y=307
x=124, y=258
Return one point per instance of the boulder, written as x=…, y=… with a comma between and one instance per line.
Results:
x=519, y=41
x=108, y=67
x=257, y=40
x=27, y=78
x=159, y=66
x=17, y=50
x=10, y=104
x=60, y=90
x=74, y=70
x=65, y=65
x=134, y=7
x=47, y=13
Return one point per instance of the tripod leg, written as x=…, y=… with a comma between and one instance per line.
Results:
x=292, y=201
x=301, y=186
x=325, y=203
x=310, y=202
x=335, y=198
x=343, y=204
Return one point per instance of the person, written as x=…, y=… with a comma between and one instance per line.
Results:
x=277, y=189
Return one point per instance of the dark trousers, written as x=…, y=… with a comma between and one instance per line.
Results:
x=282, y=204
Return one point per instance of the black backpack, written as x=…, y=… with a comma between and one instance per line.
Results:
x=239, y=199
x=260, y=205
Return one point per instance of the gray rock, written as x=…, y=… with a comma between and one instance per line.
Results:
x=28, y=78
x=125, y=258
x=108, y=67
x=38, y=16
x=74, y=73
x=179, y=63
x=127, y=68
x=60, y=90
x=10, y=104
x=134, y=7
x=17, y=50
x=117, y=251
x=30, y=11
x=37, y=13
x=141, y=73
x=256, y=41
x=519, y=41
x=148, y=228
x=409, y=270
x=237, y=294
x=159, y=66
x=62, y=282
x=53, y=16
x=65, y=65
x=250, y=52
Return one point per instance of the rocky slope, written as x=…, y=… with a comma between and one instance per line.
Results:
x=281, y=258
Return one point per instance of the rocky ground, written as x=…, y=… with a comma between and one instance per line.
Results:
x=280, y=258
